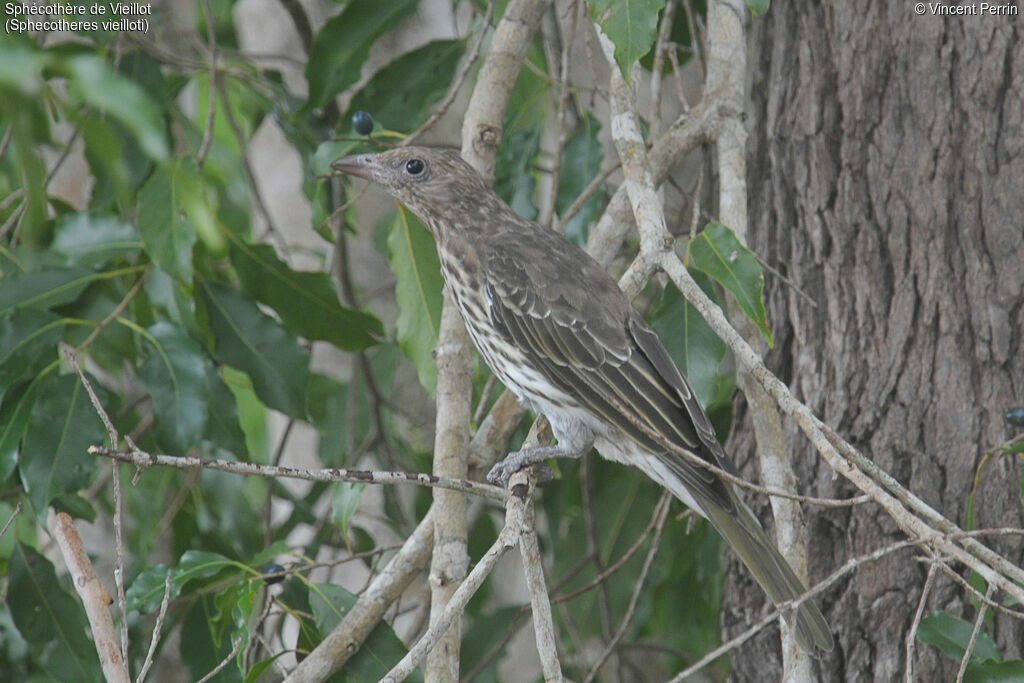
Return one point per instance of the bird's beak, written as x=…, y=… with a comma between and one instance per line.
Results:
x=360, y=165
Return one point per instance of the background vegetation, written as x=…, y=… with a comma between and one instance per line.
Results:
x=162, y=295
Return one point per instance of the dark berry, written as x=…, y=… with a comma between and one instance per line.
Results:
x=362, y=122
x=1015, y=416
x=273, y=569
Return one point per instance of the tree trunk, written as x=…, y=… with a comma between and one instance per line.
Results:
x=886, y=178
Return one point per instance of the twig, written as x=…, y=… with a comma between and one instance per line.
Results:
x=547, y=212
x=912, y=633
x=346, y=638
x=592, y=187
x=978, y=595
x=453, y=91
x=95, y=599
x=626, y=556
x=450, y=560
x=224, y=662
x=10, y=520
x=508, y=537
x=854, y=466
x=661, y=46
x=243, y=153
x=969, y=650
x=157, y=629
x=118, y=310
x=6, y=141
x=143, y=459
x=211, y=109
x=593, y=536
x=540, y=602
x=660, y=515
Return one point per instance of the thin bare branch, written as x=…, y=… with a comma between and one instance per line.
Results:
x=143, y=460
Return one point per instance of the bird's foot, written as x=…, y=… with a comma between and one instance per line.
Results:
x=517, y=460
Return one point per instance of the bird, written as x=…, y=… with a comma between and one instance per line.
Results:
x=556, y=329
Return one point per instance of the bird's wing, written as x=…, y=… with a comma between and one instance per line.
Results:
x=582, y=334
x=592, y=345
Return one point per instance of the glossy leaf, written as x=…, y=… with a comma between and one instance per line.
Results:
x=952, y=635
x=758, y=7
x=381, y=650
x=44, y=288
x=176, y=375
x=339, y=49
x=147, y=590
x=345, y=503
x=400, y=93
x=417, y=270
x=15, y=412
x=717, y=252
x=90, y=241
x=50, y=619
x=581, y=163
x=163, y=219
x=223, y=426
x=54, y=456
x=632, y=25
x=693, y=345
x=993, y=671
x=94, y=81
x=253, y=342
x=306, y=301
x=26, y=335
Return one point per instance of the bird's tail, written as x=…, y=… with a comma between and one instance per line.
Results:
x=745, y=534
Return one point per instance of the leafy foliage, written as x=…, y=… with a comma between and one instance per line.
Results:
x=953, y=636
x=205, y=333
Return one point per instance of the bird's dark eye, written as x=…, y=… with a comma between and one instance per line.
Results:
x=415, y=166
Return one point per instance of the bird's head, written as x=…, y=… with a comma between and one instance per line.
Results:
x=429, y=181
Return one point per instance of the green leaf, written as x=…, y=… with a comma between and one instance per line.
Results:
x=146, y=592
x=581, y=163
x=21, y=68
x=758, y=7
x=381, y=650
x=44, y=288
x=91, y=241
x=951, y=635
x=418, y=286
x=514, y=181
x=54, y=456
x=306, y=301
x=95, y=82
x=25, y=336
x=632, y=25
x=176, y=376
x=696, y=349
x=223, y=426
x=164, y=216
x=25, y=117
x=203, y=645
x=15, y=412
x=991, y=671
x=339, y=49
x=399, y=94
x=50, y=620
x=717, y=252
x=251, y=341
x=328, y=151
x=345, y=502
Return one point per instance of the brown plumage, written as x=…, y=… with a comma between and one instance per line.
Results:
x=556, y=329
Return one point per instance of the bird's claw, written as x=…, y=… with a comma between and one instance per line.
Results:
x=513, y=462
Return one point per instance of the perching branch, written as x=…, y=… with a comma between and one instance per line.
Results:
x=95, y=599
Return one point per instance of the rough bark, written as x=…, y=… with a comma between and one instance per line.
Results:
x=884, y=168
